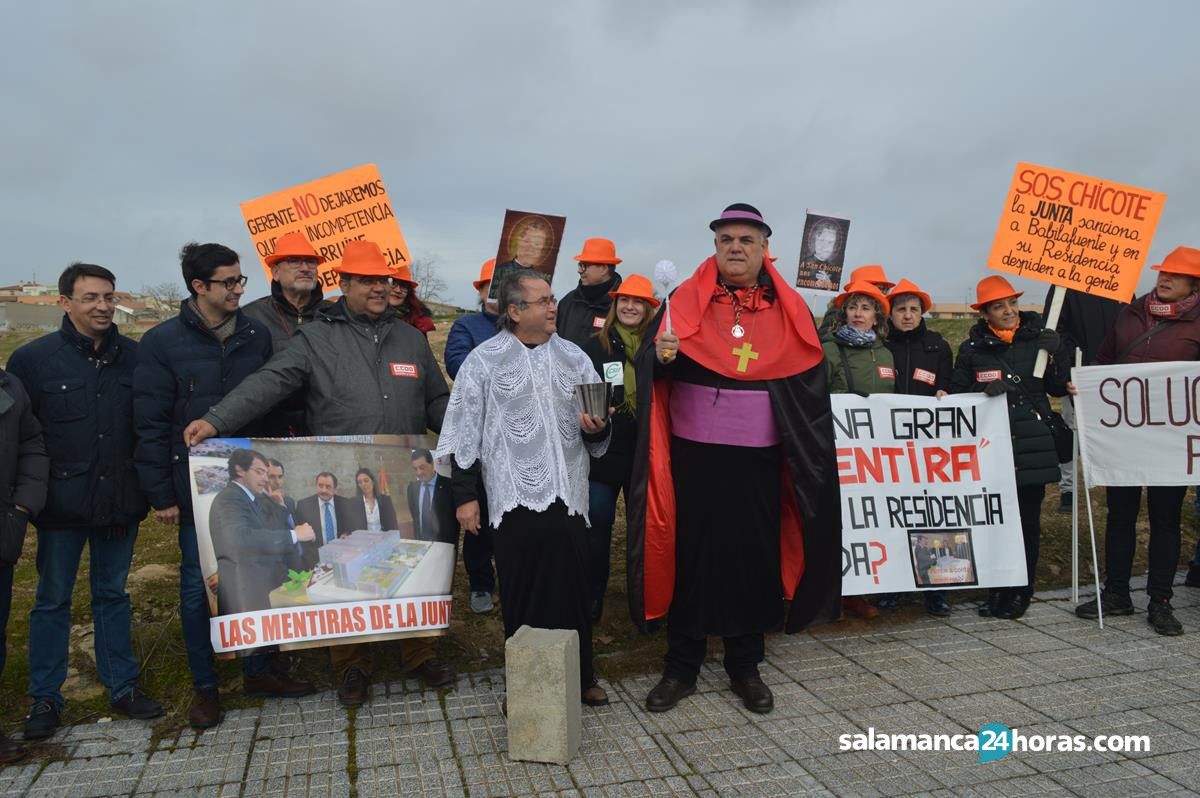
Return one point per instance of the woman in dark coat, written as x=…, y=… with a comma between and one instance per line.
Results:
x=923, y=365
x=998, y=358
x=612, y=350
x=368, y=509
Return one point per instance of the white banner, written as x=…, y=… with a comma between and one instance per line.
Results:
x=330, y=622
x=929, y=497
x=1138, y=423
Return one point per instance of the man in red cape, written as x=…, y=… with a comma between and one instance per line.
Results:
x=734, y=506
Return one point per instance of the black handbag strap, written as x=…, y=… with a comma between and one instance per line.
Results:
x=1020, y=383
x=1143, y=337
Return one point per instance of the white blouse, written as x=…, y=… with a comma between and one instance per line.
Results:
x=373, y=522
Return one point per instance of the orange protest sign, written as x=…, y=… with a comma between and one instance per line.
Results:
x=1076, y=231
x=329, y=212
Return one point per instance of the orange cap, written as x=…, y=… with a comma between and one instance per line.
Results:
x=638, y=287
x=1182, y=260
x=292, y=245
x=991, y=289
x=598, y=250
x=865, y=288
x=873, y=274
x=363, y=258
x=404, y=275
x=907, y=287
x=485, y=273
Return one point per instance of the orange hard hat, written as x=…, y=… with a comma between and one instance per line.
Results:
x=364, y=258
x=873, y=274
x=292, y=245
x=598, y=250
x=865, y=288
x=485, y=273
x=1182, y=260
x=404, y=275
x=907, y=287
x=992, y=289
x=638, y=287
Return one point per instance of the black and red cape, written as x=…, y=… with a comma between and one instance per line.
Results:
x=793, y=372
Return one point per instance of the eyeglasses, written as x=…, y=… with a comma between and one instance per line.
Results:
x=87, y=300
x=544, y=302
x=229, y=283
x=370, y=282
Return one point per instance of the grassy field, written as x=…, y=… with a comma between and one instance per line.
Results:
x=474, y=642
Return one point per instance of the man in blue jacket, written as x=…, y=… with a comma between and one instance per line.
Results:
x=185, y=366
x=467, y=333
x=24, y=470
x=79, y=381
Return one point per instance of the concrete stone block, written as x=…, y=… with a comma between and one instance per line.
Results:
x=542, y=674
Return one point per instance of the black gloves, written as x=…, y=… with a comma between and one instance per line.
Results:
x=1049, y=340
x=995, y=388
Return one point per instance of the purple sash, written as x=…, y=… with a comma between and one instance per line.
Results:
x=735, y=418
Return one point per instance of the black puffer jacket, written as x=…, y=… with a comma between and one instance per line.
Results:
x=579, y=310
x=182, y=371
x=923, y=360
x=982, y=358
x=24, y=466
x=616, y=465
x=84, y=401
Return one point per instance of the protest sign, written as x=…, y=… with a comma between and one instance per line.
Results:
x=329, y=212
x=1075, y=231
x=823, y=253
x=1139, y=423
x=928, y=493
x=529, y=240
x=345, y=563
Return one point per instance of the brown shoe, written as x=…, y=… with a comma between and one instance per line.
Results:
x=9, y=751
x=275, y=685
x=205, y=711
x=434, y=673
x=859, y=607
x=594, y=696
x=353, y=691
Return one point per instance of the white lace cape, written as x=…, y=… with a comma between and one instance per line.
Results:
x=514, y=409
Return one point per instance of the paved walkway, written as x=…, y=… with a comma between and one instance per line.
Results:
x=1048, y=674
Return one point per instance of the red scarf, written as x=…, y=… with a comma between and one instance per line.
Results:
x=780, y=339
x=1169, y=310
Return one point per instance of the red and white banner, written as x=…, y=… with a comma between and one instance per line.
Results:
x=929, y=497
x=330, y=622
x=1139, y=424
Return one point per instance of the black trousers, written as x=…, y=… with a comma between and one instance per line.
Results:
x=1029, y=504
x=6, y=584
x=685, y=655
x=542, y=559
x=477, y=553
x=1164, y=505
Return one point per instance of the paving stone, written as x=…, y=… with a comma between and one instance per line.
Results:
x=976, y=711
x=1119, y=779
x=496, y=775
x=776, y=779
x=295, y=717
x=704, y=710
x=617, y=748
x=862, y=690
x=871, y=773
x=84, y=778
x=15, y=779
x=1038, y=785
x=718, y=749
x=1162, y=738
x=412, y=758
x=193, y=767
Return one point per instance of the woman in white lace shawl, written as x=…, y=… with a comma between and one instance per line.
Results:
x=514, y=430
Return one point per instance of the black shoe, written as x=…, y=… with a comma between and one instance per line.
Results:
x=1066, y=502
x=9, y=751
x=755, y=695
x=1193, y=576
x=667, y=693
x=888, y=601
x=1012, y=607
x=272, y=684
x=1112, y=603
x=205, y=711
x=353, y=690
x=1162, y=617
x=434, y=673
x=937, y=607
x=42, y=720
x=995, y=598
x=137, y=705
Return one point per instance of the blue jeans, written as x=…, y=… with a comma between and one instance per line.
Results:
x=58, y=555
x=602, y=512
x=194, y=616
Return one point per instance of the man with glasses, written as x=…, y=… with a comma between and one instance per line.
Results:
x=79, y=385
x=185, y=365
x=514, y=425
x=583, y=310
x=363, y=371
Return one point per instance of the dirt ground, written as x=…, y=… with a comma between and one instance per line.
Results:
x=473, y=642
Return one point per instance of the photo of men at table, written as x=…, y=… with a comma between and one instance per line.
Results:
x=942, y=557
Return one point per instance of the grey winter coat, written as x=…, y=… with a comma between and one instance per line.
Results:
x=358, y=376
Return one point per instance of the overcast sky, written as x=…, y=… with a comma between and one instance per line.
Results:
x=131, y=128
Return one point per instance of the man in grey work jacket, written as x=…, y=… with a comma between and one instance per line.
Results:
x=363, y=371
